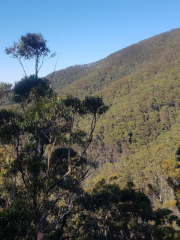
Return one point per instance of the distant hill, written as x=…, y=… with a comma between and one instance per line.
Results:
x=141, y=85
x=154, y=54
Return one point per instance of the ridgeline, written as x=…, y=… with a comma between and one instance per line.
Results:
x=141, y=86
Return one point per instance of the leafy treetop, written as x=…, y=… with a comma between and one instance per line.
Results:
x=30, y=46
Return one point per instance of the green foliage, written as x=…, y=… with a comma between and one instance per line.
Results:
x=30, y=46
x=94, y=105
x=48, y=139
x=140, y=84
x=16, y=222
x=113, y=213
x=46, y=169
x=26, y=85
x=5, y=93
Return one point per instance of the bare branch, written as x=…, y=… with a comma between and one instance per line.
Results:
x=19, y=60
x=66, y=212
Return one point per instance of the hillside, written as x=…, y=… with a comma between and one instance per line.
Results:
x=141, y=85
x=155, y=54
x=103, y=166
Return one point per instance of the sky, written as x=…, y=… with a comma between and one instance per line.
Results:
x=80, y=31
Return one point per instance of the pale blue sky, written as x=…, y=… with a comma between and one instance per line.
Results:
x=81, y=31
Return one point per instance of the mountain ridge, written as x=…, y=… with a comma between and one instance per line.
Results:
x=122, y=62
x=141, y=86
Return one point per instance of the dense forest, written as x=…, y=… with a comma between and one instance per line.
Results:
x=92, y=151
x=140, y=84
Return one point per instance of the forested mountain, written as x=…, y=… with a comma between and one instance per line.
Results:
x=93, y=151
x=141, y=86
x=154, y=54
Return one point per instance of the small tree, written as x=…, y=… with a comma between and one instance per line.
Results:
x=23, y=89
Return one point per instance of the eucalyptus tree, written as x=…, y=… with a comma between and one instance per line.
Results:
x=48, y=170
x=30, y=46
x=49, y=159
x=109, y=212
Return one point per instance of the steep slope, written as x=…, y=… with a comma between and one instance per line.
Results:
x=155, y=54
x=141, y=85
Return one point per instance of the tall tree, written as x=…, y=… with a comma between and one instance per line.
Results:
x=30, y=46
x=48, y=171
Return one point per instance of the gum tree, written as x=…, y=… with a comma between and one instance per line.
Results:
x=49, y=159
x=30, y=46
x=48, y=169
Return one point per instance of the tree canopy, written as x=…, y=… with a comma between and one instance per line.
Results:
x=30, y=46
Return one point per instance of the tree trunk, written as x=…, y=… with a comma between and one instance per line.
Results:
x=40, y=236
